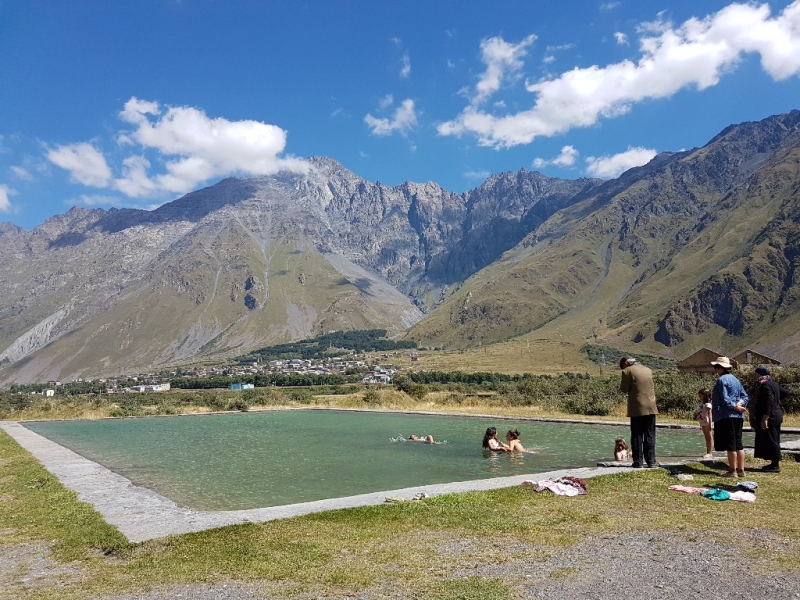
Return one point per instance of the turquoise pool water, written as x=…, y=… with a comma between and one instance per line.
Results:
x=249, y=460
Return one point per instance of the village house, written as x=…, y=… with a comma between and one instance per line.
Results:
x=700, y=362
x=751, y=357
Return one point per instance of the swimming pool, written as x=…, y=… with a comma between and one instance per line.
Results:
x=263, y=459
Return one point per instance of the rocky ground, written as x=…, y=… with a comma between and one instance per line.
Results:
x=630, y=565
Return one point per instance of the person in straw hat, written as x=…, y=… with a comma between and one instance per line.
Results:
x=728, y=403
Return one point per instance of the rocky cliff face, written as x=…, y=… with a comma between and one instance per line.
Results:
x=249, y=262
x=695, y=247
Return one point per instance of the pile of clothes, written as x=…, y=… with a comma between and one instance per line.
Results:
x=563, y=486
x=744, y=491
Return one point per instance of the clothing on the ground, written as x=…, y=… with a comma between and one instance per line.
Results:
x=564, y=486
x=687, y=489
x=716, y=494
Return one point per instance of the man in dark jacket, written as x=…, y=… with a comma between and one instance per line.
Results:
x=766, y=418
x=637, y=382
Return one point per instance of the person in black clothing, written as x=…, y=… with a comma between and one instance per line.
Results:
x=766, y=418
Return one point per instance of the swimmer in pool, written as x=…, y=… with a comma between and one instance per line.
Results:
x=428, y=439
x=512, y=437
x=491, y=442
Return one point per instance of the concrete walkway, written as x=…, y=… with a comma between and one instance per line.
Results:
x=141, y=514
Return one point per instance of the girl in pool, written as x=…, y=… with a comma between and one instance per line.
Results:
x=491, y=442
x=703, y=416
x=512, y=437
x=621, y=450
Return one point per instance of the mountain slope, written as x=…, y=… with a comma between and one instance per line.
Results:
x=247, y=263
x=623, y=265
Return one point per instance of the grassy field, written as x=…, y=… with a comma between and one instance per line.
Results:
x=53, y=546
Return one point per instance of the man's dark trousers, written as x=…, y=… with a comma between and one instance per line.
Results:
x=643, y=439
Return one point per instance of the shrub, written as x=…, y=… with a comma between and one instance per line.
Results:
x=213, y=400
x=589, y=404
x=238, y=404
x=371, y=396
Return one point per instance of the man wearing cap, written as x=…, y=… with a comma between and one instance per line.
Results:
x=637, y=382
x=766, y=417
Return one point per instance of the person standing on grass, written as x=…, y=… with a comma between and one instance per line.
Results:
x=703, y=416
x=728, y=402
x=766, y=417
x=637, y=382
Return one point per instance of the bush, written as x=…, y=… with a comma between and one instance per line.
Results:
x=213, y=400
x=589, y=404
x=238, y=404
x=371, y=396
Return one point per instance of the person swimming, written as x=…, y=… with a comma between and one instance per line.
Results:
x=428, y=439
x=491, y=442
x=512, y=437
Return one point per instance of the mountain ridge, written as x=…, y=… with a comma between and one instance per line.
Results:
x=651, y=259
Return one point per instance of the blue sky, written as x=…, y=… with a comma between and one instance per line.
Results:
x=132, y=104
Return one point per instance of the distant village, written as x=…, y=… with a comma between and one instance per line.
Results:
x=369, y=368
x=373, y=369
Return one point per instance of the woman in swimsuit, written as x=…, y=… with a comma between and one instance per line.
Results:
x=491, y=442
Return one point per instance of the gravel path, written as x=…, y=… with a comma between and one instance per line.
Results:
x=652, y=565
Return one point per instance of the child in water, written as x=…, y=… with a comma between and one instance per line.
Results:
x=512, y=437
x=621, y=450
x=491, y=442
x=703, y=416
x=428, y=439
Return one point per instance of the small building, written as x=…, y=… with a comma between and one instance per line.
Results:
x=240, y=386
x=751, y=357
x=700, y=362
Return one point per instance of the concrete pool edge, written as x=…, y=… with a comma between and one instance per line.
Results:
x=141, y=514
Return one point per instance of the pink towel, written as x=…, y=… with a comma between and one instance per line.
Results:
x=687, y=489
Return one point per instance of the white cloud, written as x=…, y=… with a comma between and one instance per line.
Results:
x=695, y=54
x=5, y=192
x=566, y=158
x=558, y=47
x=608, y=167
x=85, y=163
x=22, y=173
x=386, y=101
x=503, y=61
x=405, y=71
x=403, y=120
x=609, y=5
x=621, y=38
x=193, y=147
